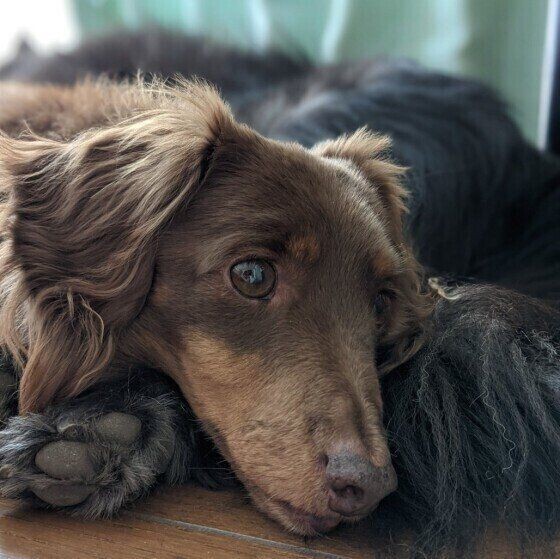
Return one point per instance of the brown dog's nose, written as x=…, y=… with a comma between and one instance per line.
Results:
x=356, y=485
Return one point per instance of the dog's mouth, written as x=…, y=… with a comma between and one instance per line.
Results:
x=292, y=518
x=305, y=523
x=296, y=519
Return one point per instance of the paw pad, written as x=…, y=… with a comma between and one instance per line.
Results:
x=65, y=460
x=121, y=428
x=79, y=458
x=63, y=495
x=70, y=460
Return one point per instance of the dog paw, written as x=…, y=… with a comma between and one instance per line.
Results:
x=92, y=465
x=72, y=460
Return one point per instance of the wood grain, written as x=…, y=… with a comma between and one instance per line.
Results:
x=230, y=511
x=184, y=523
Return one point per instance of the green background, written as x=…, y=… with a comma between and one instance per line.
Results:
x=498, y=41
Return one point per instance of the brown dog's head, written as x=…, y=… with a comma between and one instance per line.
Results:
x=262, y=276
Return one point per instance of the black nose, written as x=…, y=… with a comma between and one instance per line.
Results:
x=356, y=485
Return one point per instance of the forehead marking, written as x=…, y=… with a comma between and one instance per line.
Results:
x=304, y=247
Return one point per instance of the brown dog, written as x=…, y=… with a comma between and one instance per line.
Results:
x=146, y=226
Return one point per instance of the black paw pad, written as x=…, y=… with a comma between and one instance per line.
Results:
x=121, y=428
x=63, y=495
x=65, y=460
x=70, y=460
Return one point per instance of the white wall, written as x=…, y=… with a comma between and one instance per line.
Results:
x=46, y=24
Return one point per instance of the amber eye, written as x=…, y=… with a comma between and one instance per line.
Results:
x=253, y=278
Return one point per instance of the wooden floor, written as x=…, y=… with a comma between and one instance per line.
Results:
x=178, y=523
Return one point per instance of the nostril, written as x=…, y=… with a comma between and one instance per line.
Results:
x=345, y=498
x=356, y=485
x=349, y=492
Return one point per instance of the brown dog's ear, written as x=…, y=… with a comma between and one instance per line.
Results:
x=84, y=217
x=411, y=306
x=367, y=151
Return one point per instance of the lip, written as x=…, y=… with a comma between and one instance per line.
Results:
x=311, y=524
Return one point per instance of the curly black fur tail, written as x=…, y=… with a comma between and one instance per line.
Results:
x=474, y=425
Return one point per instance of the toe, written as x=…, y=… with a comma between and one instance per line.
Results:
x=121, y=428
x=65, y=460
x=63, y=495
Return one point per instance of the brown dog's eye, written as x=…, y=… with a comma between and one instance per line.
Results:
x=253, y=278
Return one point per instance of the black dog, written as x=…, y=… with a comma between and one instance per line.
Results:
x=474, y=418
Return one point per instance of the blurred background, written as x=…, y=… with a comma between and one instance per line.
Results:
x=509, y=44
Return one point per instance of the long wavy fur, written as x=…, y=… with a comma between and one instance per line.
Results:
x=474, y=425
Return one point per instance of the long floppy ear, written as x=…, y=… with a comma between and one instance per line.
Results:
x=367, y=152
x=85, y=216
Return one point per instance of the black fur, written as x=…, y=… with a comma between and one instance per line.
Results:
x=168, y=448
x=474, y=425
x=474, y=418
x=155, y=51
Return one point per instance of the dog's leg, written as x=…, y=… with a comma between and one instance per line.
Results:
x=100, y=451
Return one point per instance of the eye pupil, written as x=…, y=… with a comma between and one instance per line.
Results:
x=253, y=278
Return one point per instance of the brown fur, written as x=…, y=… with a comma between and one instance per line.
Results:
x=127, y=206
